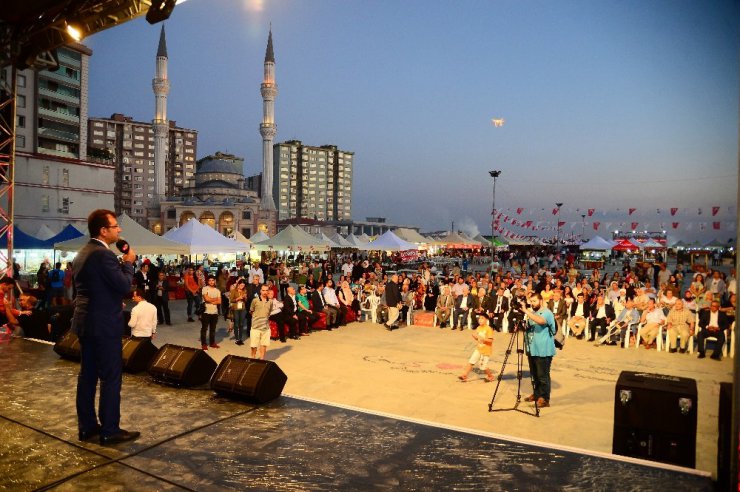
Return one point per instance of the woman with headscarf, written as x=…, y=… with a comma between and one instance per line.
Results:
x=346, y=300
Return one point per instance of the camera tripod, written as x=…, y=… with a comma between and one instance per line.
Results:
x=521, y=349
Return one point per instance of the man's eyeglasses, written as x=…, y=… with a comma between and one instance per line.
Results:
x=113, y=226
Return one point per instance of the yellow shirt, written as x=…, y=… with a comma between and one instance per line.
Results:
x=484, y=332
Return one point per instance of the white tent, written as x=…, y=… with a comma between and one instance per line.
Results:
x=390, y=242
x=238, y=236
x=364, y=237
x=357, y=242
x=326, y=239
x=258, y=237
x=470, y=240
x=141, y=240
x=44, y=233
x=343, y=243
x=410, y=235
x=597, y=243
x=200, y=239
x=294, y=238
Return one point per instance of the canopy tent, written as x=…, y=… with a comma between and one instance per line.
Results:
x=637, y=243
x=198, y=238
x=293, y=238
x=142, y=240
x=324, y=238
x=44, y=233
x=258, y=237
x=714, y=244
x=470, y=240
x=364, y=237
x=238, y=236
x=21, y=240
x=339, y=240
x=597, y=243
x=69, y=232
x=410, y=235
x=390, y=242
x=652, y=244
x=357, y=242
x=625, y=245
x=679, y=244
x=454, y=241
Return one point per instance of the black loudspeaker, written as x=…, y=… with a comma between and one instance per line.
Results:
x=182, y=366
x=137, y=354
x=68, y=346
x=250, y=379
x=655, y=418
x=724, y=439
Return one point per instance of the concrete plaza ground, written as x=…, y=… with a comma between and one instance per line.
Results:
x=411, y=373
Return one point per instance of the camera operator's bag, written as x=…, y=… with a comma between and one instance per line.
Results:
x=559, y=339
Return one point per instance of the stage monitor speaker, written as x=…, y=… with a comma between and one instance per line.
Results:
x=724, y=439
x=68, y=346
x=182, y=366
x=655, y=418
x=254, y=380
x=137, y=354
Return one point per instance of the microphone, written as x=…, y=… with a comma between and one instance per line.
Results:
x=122, y=246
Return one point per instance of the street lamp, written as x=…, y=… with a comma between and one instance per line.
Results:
x=583, y=227
x=494, y=175
x=557, y=234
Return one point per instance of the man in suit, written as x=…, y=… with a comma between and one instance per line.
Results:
x=445, y=305
x=289, y=316
x=498, y=308
x=101, y=283
x=162, y=298
x=319, y=306
x=558, y=307
x=712, y=323
x=393, y=300
x=145, y=281
x=602, y=313
x=463, y=305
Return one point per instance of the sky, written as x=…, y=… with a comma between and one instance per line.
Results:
x=608, y=105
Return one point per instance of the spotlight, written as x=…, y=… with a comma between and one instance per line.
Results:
x=160, y=10
x=73, y=32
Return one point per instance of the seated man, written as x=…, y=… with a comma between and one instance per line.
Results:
x=680, y=322
x=445, y=305
x=712, y=323
x=558, y=307
x=629, y=317
x=482, y=305
x=319, y=305
x=499, y=304
x=578, y=313
x=601, y=315
x=463, y=305
x=653, y=318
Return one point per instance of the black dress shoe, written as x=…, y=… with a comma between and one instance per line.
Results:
x=89, y=434
x=118, y=437
x=701, y=355
x=716, y=356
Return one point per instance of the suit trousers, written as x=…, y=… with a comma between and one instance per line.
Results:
x=101, y=360
x=163, y=309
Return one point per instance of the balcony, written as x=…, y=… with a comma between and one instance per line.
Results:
x=60, y=76
x=63, y=116
x=59, y=135
x=58, y=153
x=59, y=96
x=68, y=60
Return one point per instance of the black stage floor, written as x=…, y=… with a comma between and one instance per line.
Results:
x=194, y=440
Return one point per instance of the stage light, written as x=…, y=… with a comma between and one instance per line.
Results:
x=73, y=32
x=160, y=10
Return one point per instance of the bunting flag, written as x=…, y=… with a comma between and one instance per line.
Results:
x=596, y=226
x=673, y=211
x=675, y=225
x=715, y=225
x=561, y=223
x=715, y=210
x=528, y=223
x=634, y=225
x=519, y=211
x=555, y=211
x=591, y=211
x=631, y=211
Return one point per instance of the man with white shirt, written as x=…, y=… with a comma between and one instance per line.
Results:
x=256, y=271
x=463, y=305
x=716, y=285
x=653, y=318
x=578, y=313
x=143, y=320
x=558, y=307
x=347, y=268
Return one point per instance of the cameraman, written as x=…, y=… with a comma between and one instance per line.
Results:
x=518, y=305
x=541, y=328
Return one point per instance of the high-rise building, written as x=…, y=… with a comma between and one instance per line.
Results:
x=130, y=144
x=56, y=182
x=312, y=182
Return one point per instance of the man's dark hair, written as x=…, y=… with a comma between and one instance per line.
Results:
x=58, y=265
x=139, y=293
x=97, y=220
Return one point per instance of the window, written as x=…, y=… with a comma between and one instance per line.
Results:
x=45, y=203
x=20, y=101
x=246, y=215
x=246, y=231
x=45, y=175
x=21, y=121
x=65, y=205
x=21, y=80
x=20, y=141
x=65, y=177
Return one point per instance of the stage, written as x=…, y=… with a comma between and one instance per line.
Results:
x=363, y=409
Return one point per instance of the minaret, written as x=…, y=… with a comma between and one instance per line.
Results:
x=161, y=86
x=267, y=127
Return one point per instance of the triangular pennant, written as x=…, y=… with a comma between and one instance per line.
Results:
x=591, y=211
x=596, y=226
x=715, y=225
x=631, y=211
x=715, y=210
x=674, y=225
x=634, y=225
x=673, y=211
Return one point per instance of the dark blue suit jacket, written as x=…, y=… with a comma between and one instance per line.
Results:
x=101, y=282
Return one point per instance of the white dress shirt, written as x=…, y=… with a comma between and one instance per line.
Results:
x=143, y=321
